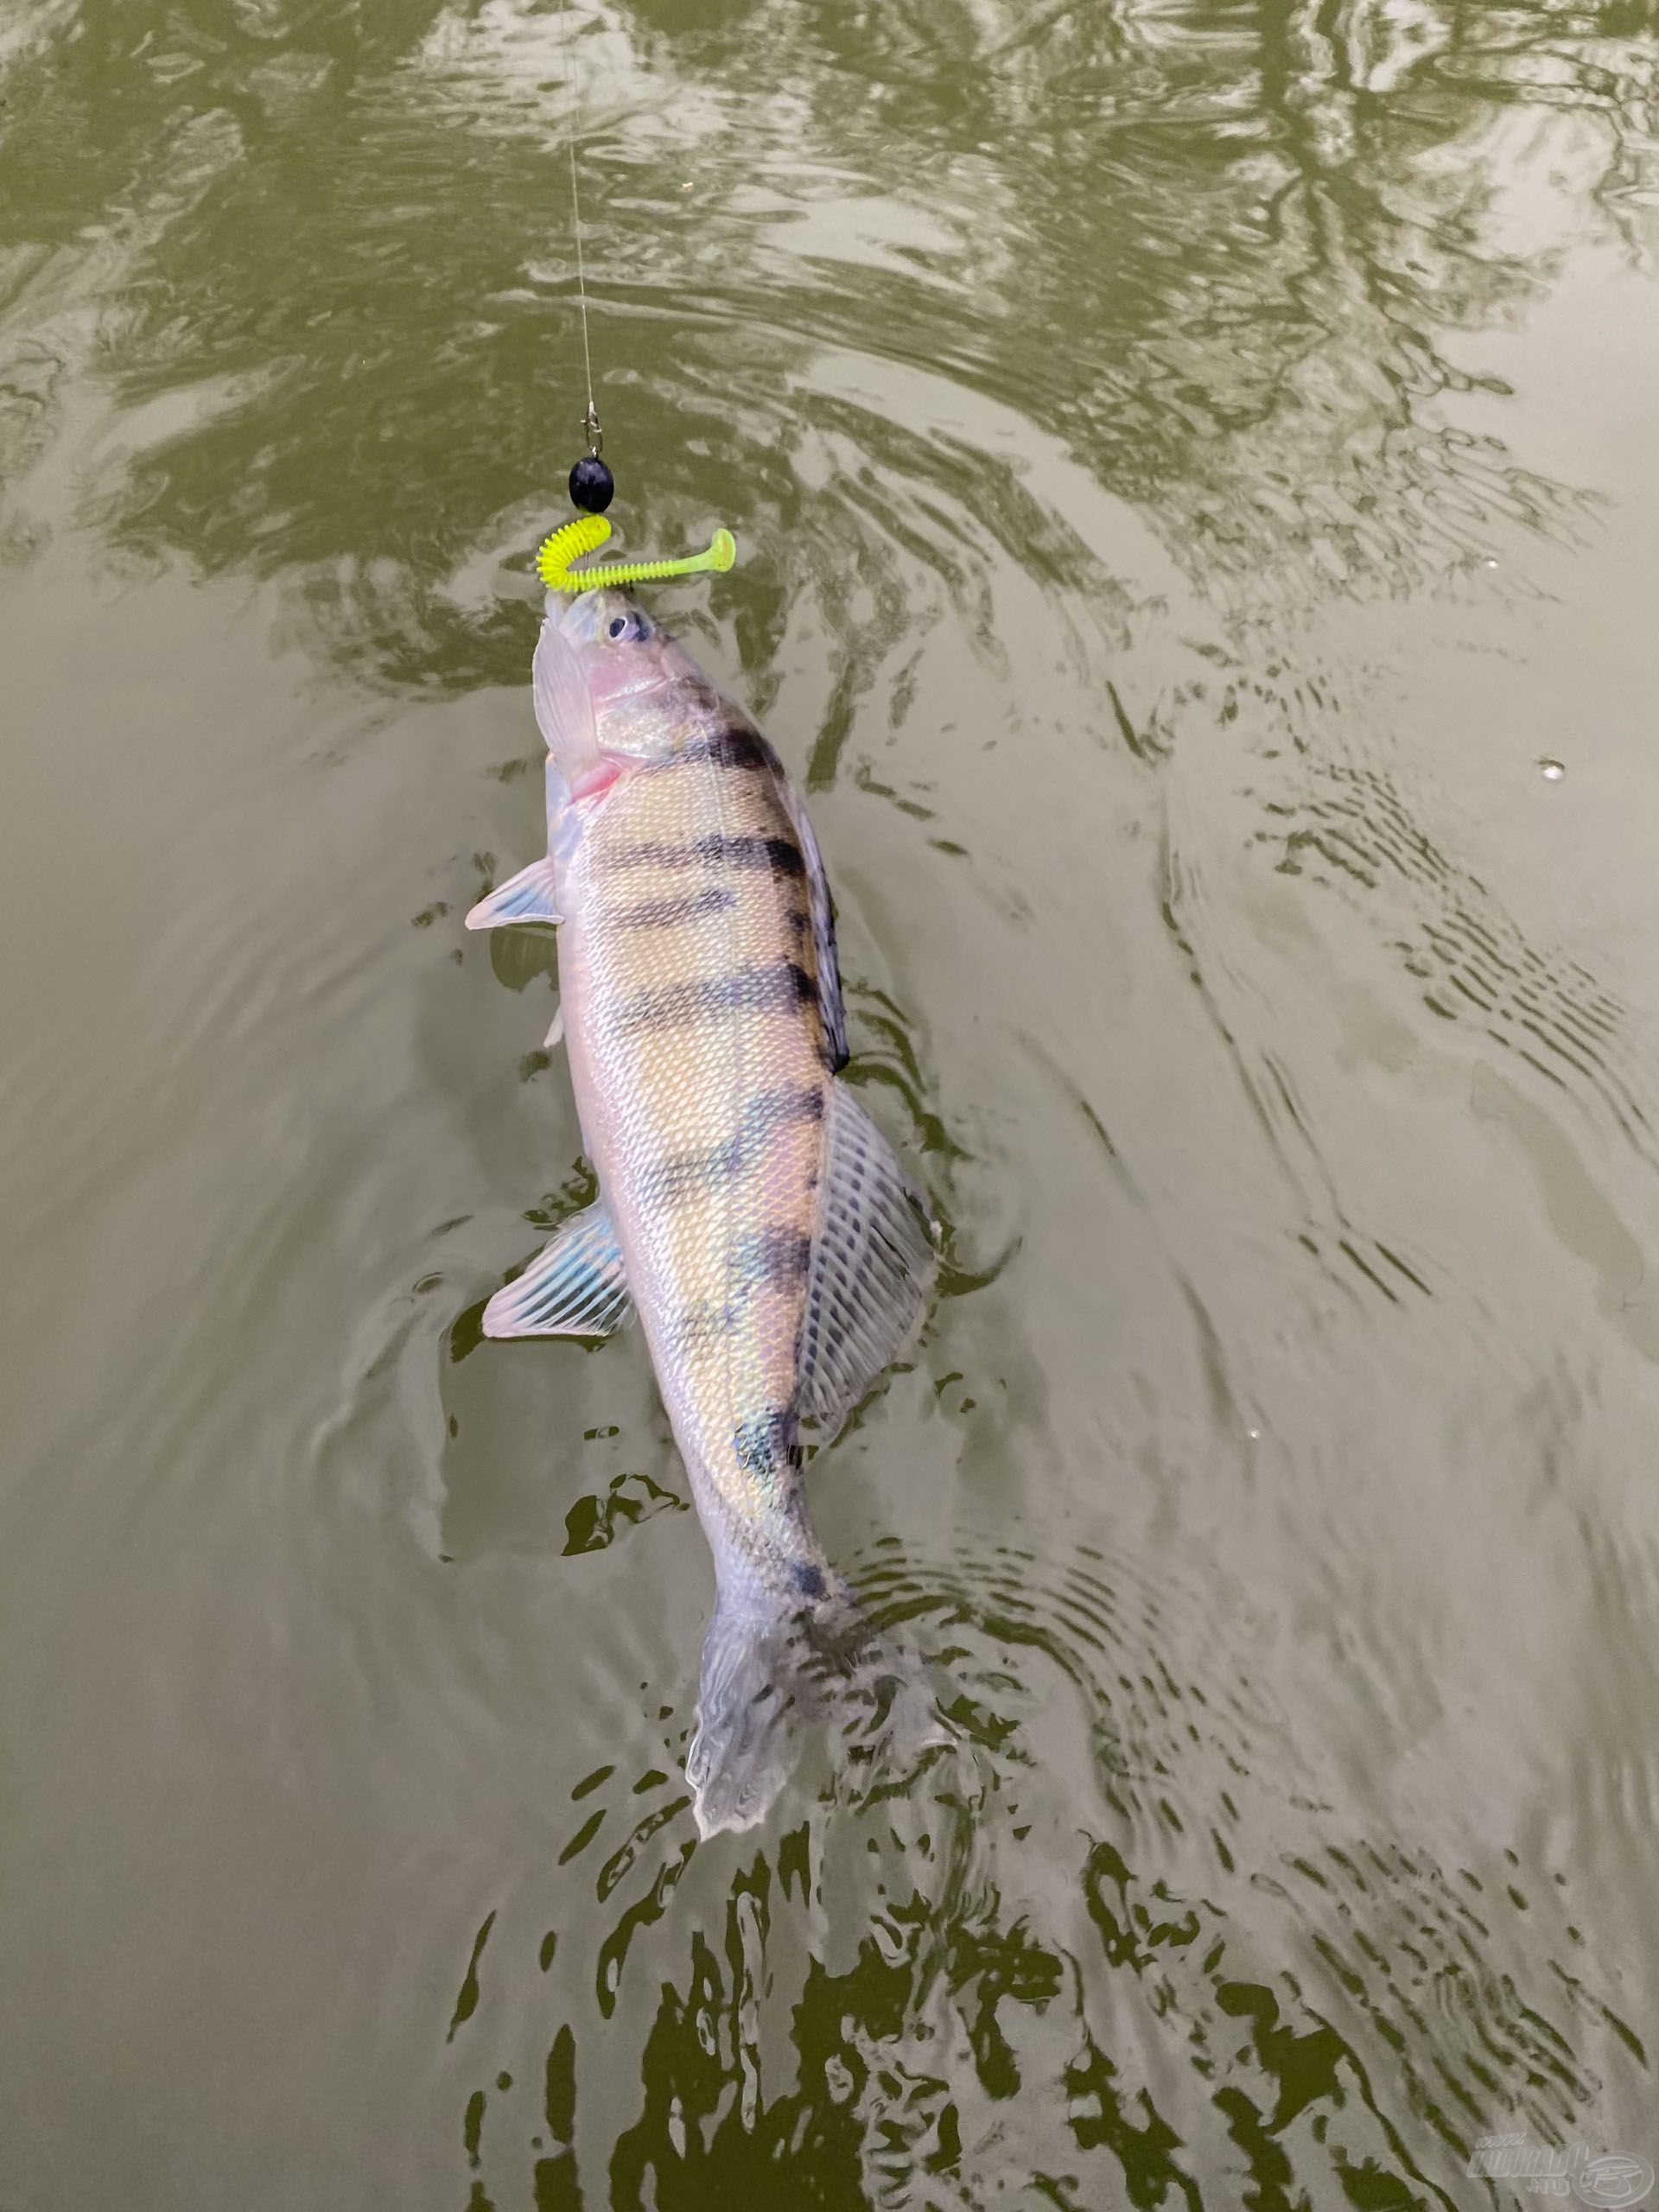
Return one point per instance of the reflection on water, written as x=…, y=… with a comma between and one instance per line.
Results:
x=1270, y=225
x=1174, y=1988
x=1191, y=461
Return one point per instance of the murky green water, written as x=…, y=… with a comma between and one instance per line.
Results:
x=1194, y=465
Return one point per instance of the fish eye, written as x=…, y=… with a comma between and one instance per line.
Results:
x=629, y=628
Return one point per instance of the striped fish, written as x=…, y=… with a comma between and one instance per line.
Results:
x=750, y=1212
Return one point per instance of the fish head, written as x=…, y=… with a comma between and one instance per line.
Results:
x=610, y=685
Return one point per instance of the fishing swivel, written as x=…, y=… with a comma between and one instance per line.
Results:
x=592, y=485
x=592, y=489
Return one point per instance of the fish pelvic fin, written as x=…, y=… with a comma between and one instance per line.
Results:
x=772, y=1666
x=578, y=1286
x=530, y=896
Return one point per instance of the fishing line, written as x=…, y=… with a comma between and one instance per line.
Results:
x=592, y=485
x=591, y=431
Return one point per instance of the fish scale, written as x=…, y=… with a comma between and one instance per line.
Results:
x=749, y=1209
x=682, y=1090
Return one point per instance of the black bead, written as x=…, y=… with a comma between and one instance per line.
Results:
x=592, y=487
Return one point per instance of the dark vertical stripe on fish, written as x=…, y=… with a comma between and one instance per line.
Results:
x=667, y=913
x=734, y=747
x=779, y=856
x=777, y=1256
x=780, y=986
x=763, y=1442
x=683, y=1175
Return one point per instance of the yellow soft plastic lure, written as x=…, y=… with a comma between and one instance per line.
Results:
x=588, y=532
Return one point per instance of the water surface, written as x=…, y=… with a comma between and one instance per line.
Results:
x=1195, y=465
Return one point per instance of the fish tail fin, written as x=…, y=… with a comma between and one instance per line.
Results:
x=769, y=1665
x=744, y=1745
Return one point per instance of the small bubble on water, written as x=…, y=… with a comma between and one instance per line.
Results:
x=1490, y=561
x=1551, y=771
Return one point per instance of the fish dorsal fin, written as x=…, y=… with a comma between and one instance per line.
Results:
x=872, y=1261
x=576, y=1287
x=822, y=909
x=526, y=897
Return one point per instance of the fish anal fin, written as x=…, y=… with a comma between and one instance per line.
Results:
x=872, y=1262
x=526, y=897
x=577, y=1287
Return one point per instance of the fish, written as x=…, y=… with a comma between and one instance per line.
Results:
x=751, y=1214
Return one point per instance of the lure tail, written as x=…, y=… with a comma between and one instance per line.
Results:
x=768, y=1669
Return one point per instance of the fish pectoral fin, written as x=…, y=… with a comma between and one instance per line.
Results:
x=526, y=897
x=576, y=1287
x=555, y=1030
x=872, y=1261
